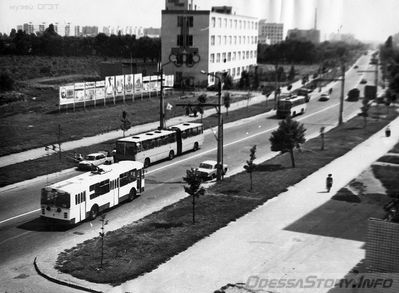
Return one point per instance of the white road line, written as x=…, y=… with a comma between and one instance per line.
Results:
x=21, y=215
x=199, y=154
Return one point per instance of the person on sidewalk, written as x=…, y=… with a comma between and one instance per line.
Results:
x=329, y=182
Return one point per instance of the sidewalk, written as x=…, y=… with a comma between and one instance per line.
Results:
x=269, y=241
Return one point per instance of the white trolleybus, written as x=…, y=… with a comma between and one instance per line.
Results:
x=291, y=106
x=84, y=196
x=156, y=145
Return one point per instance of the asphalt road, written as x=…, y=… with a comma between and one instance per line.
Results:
x=23, y=235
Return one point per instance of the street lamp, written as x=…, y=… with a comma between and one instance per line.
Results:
x=219, y=170
x=172, y=59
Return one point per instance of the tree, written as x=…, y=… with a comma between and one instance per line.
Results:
x=201, y=100
x=227, y=101
x=125, y=123
x=194, y=187
x=364, y=110
x=291, y=74
x=250, y=166
x=290, y=134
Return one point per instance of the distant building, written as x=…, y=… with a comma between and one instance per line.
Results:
x=20, y=28
x=42, y=27
x=270, y=33
x=219, y=40
x=152, y=32
x=89, y=31
x=77, y=31
x=67, y=30
x=28, y=28
x=312, y=35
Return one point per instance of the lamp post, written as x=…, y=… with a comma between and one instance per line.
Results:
x=219, y=173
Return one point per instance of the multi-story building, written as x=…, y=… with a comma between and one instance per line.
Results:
x=219, y=40
x=89, y=31
x=312, y=35
x=77, y=31
x=270, y=33
x=28, y=28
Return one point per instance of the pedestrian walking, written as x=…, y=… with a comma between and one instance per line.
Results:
x=329, y=182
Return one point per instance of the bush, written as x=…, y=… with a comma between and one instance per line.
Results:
x=6, y=82
x=45, y=70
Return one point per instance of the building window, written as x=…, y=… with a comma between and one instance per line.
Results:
x=218, y=58
x=212, y=58
x=233, y=72
x=235, y=40
x=240, y=25
x=235, y=23
x=239, y=55
x=230, y=40
x=243, y=55
x=189, y=19
x=238, y=71
x=219, y=40
x=213, y=21
x=225, y=22
x=212, y=40
x=225, y=40
x=229, y=56
x=239, y=40
x=247, y=55
x=228, y=71
x=231, y=23
x=219, y=22
x=189, y=40
x=224, y=57
x=234, y=56
x=245, y=24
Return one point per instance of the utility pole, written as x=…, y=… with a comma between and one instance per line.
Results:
x=341, y=100
x=59, y=141
x=218, y=106
x=161, y=102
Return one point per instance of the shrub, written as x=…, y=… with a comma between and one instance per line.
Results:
x=6, y=82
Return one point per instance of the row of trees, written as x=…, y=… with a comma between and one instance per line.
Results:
x=389, y=56
x=294, y=51
x=49, y=43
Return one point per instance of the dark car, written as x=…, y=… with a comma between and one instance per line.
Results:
x=363, y=81
x=356, y=67
x=353, y=94
x=324, y=97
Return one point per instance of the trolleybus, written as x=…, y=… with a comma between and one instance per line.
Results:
x=83, y=197
x=156, y=145
x=291, y=106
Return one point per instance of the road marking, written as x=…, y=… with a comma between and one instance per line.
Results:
x=15, y=237
x=21, y=215
x=199, y=154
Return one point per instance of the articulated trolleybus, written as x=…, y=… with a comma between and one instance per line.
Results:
x=84, y=196
x=291, y=106
x=156, y=145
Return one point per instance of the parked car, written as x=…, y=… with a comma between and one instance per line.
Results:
x=95, y=159
x=207, y=170
x=324, y=97
x=356, y=67
x=363, y=81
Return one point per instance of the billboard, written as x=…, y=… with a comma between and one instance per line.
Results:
x=138, y=82
x=79, y=92
x=120, y=85
x=129, y=84
x=90, y=91
x=100, y=93
x=67, y=94
x=109, y=86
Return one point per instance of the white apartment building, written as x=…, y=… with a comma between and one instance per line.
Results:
x=270, y=33
x=225, y=42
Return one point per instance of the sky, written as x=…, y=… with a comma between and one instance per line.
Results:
x=368, y=20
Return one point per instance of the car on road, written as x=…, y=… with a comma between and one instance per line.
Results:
x=207, y=169
x=363, y=81
x=324, y=97
x=356, y=67
x=353, y=94
x=94, y=160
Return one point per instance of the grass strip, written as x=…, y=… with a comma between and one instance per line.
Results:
x=142, y=246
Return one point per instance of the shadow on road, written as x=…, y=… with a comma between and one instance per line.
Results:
x=41, y=225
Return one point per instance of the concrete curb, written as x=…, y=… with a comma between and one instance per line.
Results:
x=60, y=282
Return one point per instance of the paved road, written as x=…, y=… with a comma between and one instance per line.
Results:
x=25, y=236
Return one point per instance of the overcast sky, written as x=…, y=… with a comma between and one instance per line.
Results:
x=366, y=19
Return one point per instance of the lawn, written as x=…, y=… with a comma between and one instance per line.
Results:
x=142, y=246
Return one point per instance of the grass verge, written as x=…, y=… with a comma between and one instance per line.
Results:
x=51, y=164
x=142, y=246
